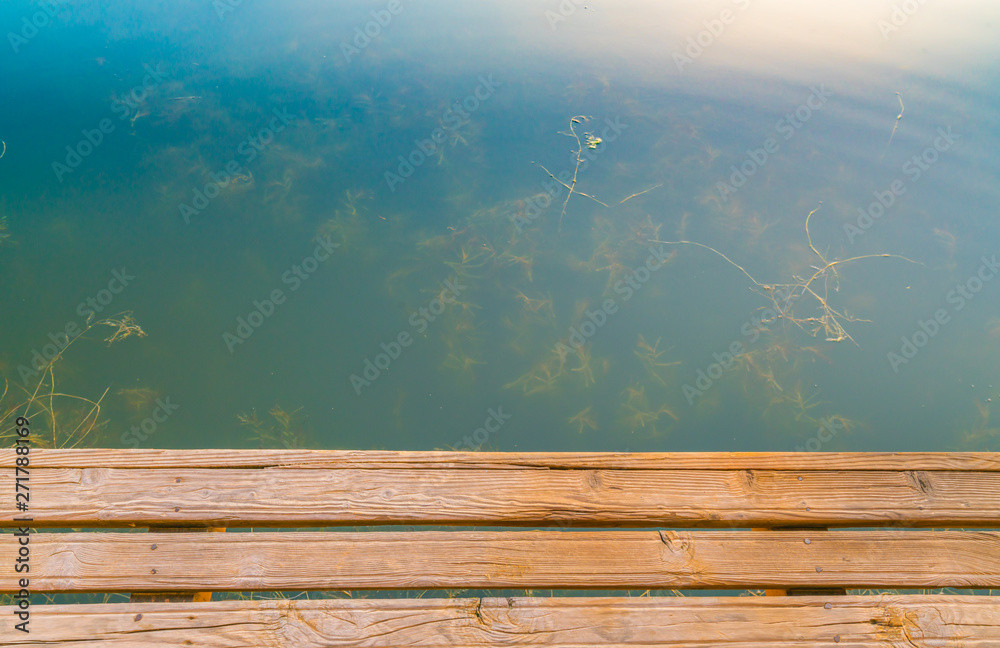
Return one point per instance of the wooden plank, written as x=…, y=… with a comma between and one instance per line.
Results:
x=129, y=562
x=777, y=592
x=693, y=622
x=244, y=458
x=836, y=591
x=305, y=497
x=176, y=597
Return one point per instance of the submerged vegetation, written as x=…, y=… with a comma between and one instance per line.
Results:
x=575, y=309
x=60, y=419
x=543, y=309
x=283, y=429
x=814, y=288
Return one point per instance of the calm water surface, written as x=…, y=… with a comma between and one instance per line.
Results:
x=458, y=225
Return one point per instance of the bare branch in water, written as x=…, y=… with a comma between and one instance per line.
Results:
x=784, y=295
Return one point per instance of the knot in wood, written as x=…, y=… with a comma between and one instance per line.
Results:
x=673, y=541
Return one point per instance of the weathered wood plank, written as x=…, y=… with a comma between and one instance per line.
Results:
x=839, y=591
x=693, y=622
x=243, y=497
x=176, y=597
x=245, y=458
x=129, y=562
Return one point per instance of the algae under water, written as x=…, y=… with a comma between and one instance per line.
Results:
x=460, y=229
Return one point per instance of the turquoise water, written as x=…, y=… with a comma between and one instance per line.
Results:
x=337, y=222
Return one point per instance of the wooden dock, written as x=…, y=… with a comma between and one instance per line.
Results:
x=809, y=523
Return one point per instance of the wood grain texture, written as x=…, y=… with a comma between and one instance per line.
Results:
x=309, y=497
x=132, y=562
x=244, y=458
x=693, y=622
x=176, y=597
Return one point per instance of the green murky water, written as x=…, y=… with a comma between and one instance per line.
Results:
x=455, y=225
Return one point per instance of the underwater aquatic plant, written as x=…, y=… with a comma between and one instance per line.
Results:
x=816, y=287
x=583, y=420
x=284, y=430
x=590, y=141
x=650, y=358
x=638, y=412
x=63, y=420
